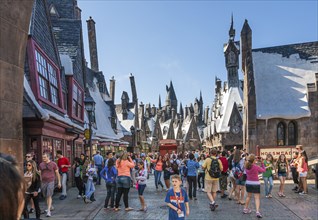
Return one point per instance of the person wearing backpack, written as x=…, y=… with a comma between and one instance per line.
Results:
x=109, y=174
x=239, y=175
x=212, y=167
x=192, y=167
x=175, y=164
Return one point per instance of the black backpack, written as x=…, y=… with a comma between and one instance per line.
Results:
x=215, y=171
x=175, y=167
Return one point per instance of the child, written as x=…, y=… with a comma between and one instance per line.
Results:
x=141, y=182
x=268, y=175
x=177, y=200
x=282, y=173
x=253, y=185
x=109, y=174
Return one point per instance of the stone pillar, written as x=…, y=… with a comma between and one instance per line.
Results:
x=14, y=26
x=92, y=44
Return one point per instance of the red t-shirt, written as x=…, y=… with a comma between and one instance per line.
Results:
x=225, y=164
x=48, y=171
x=63, y=161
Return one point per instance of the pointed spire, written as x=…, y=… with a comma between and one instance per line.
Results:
x=232, y=30
x=181, y=109
x=159, y=105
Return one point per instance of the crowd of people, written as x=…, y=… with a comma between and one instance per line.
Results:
x=232, y=174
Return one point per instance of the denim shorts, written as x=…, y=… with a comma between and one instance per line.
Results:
x=123, y=182
x=141, y=188
x=282, y=174
x=240, y=182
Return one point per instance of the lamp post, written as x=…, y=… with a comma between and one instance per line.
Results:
x=90, y=108
x=132, y=130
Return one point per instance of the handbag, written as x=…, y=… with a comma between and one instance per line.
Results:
x=137, y=185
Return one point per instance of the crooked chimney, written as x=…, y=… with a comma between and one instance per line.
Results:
x=112, y=89
x=92, y=44
x=133, y=88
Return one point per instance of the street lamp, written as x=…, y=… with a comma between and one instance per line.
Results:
x=132, y=130
x=90, y=108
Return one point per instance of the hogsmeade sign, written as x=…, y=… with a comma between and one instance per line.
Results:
x=276, y=151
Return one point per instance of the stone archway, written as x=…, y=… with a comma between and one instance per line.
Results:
x=14, y=26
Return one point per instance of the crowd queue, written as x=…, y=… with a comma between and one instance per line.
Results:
x=183, y=174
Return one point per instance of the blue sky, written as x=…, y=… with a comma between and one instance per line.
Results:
x=182, y=41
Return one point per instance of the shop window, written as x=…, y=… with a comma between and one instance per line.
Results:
x=281, y=134
x=292, y=133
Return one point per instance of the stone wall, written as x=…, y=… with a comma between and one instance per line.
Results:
x=14, y=26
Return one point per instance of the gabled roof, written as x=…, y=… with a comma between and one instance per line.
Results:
x=231, y=96
x=281, y=76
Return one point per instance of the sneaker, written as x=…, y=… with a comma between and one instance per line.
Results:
x=31, y=210
x=259, y=215
x=270, y=196
x=62, y=197
x=266, y=196
x=79, y=197
x=195, y=198
x=48, y=214
x=202, y=190
x=247, y=211
x=212, y=206
x=224, y=196
x=295, y=188
x=302, y=193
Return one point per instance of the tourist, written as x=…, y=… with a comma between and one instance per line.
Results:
x=109, y=174
x=253, y=186
x=78, y=177
x=63, y=165
x=201, y=173
x=192, y=167
x=303, y=169
x=167, y=171
x=158, y=171
x=49, y=171
x=268, y=175
x=293, y=168
x=99, y=162
x=29, y=157
x=141, y=184
x=177, y=200
x=91, y=172
x=11, y=195
x=224, y=174
x=123, y=164
x=211, y=183
x=239, y=175
x=33, y=187
x=282, y=173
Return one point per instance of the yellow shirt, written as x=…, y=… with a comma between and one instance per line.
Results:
x=206, y=166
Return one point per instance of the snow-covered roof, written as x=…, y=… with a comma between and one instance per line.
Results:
x=231, y=96
x=186, y=126
x=281, y=85
x=67, y=64
x=165, y=128
x=102, y=115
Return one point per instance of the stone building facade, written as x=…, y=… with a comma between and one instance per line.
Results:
x=280, y=95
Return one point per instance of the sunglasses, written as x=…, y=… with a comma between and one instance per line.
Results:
x=28, y=156
x=29, y=165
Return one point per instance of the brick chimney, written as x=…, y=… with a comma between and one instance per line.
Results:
x=112, y=89
x=92, y=44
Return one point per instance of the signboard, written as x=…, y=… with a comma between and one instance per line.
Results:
x=276, y=151
x=86, y=134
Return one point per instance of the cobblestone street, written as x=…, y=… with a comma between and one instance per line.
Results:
x=292, y=207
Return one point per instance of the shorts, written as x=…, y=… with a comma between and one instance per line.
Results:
x=239, y=182
x=47, y=189
x=282, y=174
x=141, y=189
x=211, y=185
x=302, y=174
x=123, y=182
x=253, y=188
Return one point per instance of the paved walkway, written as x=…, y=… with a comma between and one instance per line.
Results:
x=293, y=206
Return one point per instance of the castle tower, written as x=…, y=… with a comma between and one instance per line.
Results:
x=231, y=53
x=171, y=99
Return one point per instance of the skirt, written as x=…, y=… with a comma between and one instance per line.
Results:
x=253, y=188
